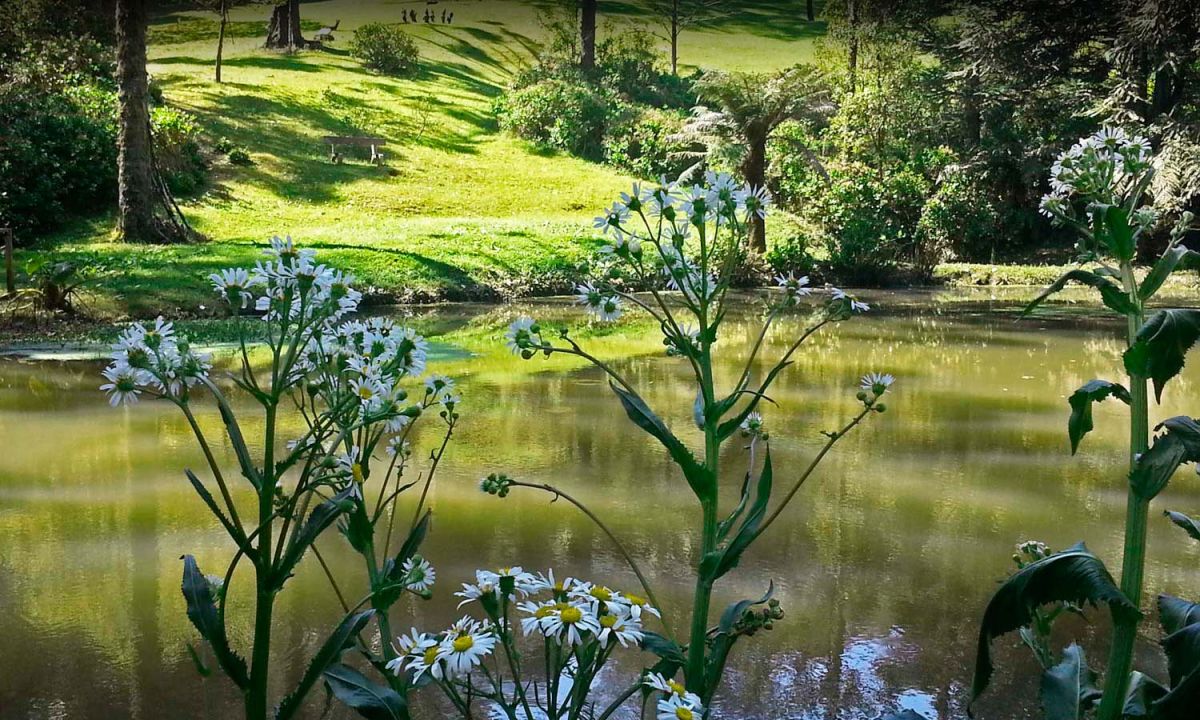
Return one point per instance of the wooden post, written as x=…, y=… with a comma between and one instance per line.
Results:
x=10, y=280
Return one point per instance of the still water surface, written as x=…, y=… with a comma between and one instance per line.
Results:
x=883, y=563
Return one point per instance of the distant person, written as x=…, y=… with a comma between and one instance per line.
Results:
x=451, y=19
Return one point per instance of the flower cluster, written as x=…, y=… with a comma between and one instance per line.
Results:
x=872, y=387
x=152, y=358
x=451, y=654
x=1097, y=169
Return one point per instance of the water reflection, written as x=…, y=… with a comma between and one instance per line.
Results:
x=883, y=564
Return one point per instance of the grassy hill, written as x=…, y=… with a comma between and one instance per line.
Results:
x=460, y=210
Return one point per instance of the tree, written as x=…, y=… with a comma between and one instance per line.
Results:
x=810, y=11
x=679, y=15
x=748, y=108
x=283, y=32
x=134, y=161
x=587, y=34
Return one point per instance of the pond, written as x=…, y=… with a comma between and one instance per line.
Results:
x=883, y=564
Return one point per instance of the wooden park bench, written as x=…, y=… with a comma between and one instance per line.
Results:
x=374, y=143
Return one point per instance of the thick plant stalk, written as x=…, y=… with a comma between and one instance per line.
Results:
x=1137, y=512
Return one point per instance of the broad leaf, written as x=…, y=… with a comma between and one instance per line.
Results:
x=1180, y=703
x=1068, y=689
x=1081, y=400
x=1111, y=294
x=1182, y=648
x=202, y=611
x=330, y=653
x=367, y=698
x=720, y=561
x=1190, y=526
x=1174, y=613
x=1074, y=575
x=1179, y=444
x=356, y=526
x=1160, y=346
x=1177, y=256
x=1143, y=692
x=663, y=647
x=1117, y=233
x=319, y=520
x=393, y=570
x=698, y=477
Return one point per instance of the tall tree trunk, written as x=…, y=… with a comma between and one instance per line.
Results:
x=135, y=169
x=587, y=34
x=283, y=33
x=810, y=11
x=754, y=171
x=675, y=37
x=224, y=10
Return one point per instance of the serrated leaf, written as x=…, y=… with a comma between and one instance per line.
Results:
x=369, y=699
x=1174, y=613
x=1176, y=257
x=1118, y=232
x=1094, y=391
x=717, y=563
x=1190, y=526
x=341, y=639
x=1111, y=295
x=699, y=478
x=1143, y=692
x=202, y=611
x=663, y=647
x=1179, y=444
x=1068, y=690
x=1074, y=575
x=1160, y=346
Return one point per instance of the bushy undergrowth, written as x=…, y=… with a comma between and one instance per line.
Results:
x=385, y=49
x=58, y=109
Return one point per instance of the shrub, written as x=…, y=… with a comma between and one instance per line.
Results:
x=646, y=145
x=959, y=219
x=239, y=156
x=628, y=65
x=385, y=49
x=792, y=256
x=177, y=149
x=565, y=115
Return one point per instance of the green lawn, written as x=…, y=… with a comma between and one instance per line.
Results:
x=460, y=211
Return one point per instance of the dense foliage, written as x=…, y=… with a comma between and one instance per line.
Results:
x=385, y=49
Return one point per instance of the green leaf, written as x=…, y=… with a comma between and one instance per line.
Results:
x=699, y=478
x=319, y=520
x=356, y=526
x=1174, y=613
x=1167, y=264
x=665, y=648
x=201, y=668
x=1069, y=688
x=1190, y=526
x=338, y=642
x=1180, y=703
x=393, y=570
x=1182, y=648
x=368, y=699
x=1074, y=575
x=1113, y=297
x=202, y=611
x=1118, y=233
x=1081, y=400
x=1178, y=445
x=1143, y=692
x=720, y=561
x=1160, y=346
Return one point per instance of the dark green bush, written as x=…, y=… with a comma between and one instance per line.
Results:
x=646, y=146
x=177, y=149
x=239, y=156
x=385, y=49
x=960, y=218
x=572, y=116
x=792, y=254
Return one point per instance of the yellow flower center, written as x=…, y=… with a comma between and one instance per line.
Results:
x=543, y=612
x=635, y=599
x=463, y=643
x=602, y=594
x=677, y=688
x=356, y=470
x=365, y=392
x=608, y=621
x=430, y=656
x=684, y=714
x=571, y=615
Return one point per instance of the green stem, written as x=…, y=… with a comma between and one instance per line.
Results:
x=256, y=696
x=1137, y=512
x=701, y=600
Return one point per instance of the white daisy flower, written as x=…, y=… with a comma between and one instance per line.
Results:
x=678, y=708
x=625, y=629
x=570, y=622
x=792, y=285
x=523, y=334
x=877, y=383
x=419, y=574
x=465, y=645
x=124, y=384
x=413, y=645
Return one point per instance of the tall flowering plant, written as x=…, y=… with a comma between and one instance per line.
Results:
x=684, y=244
x=345, y=381
x=1099, y=191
